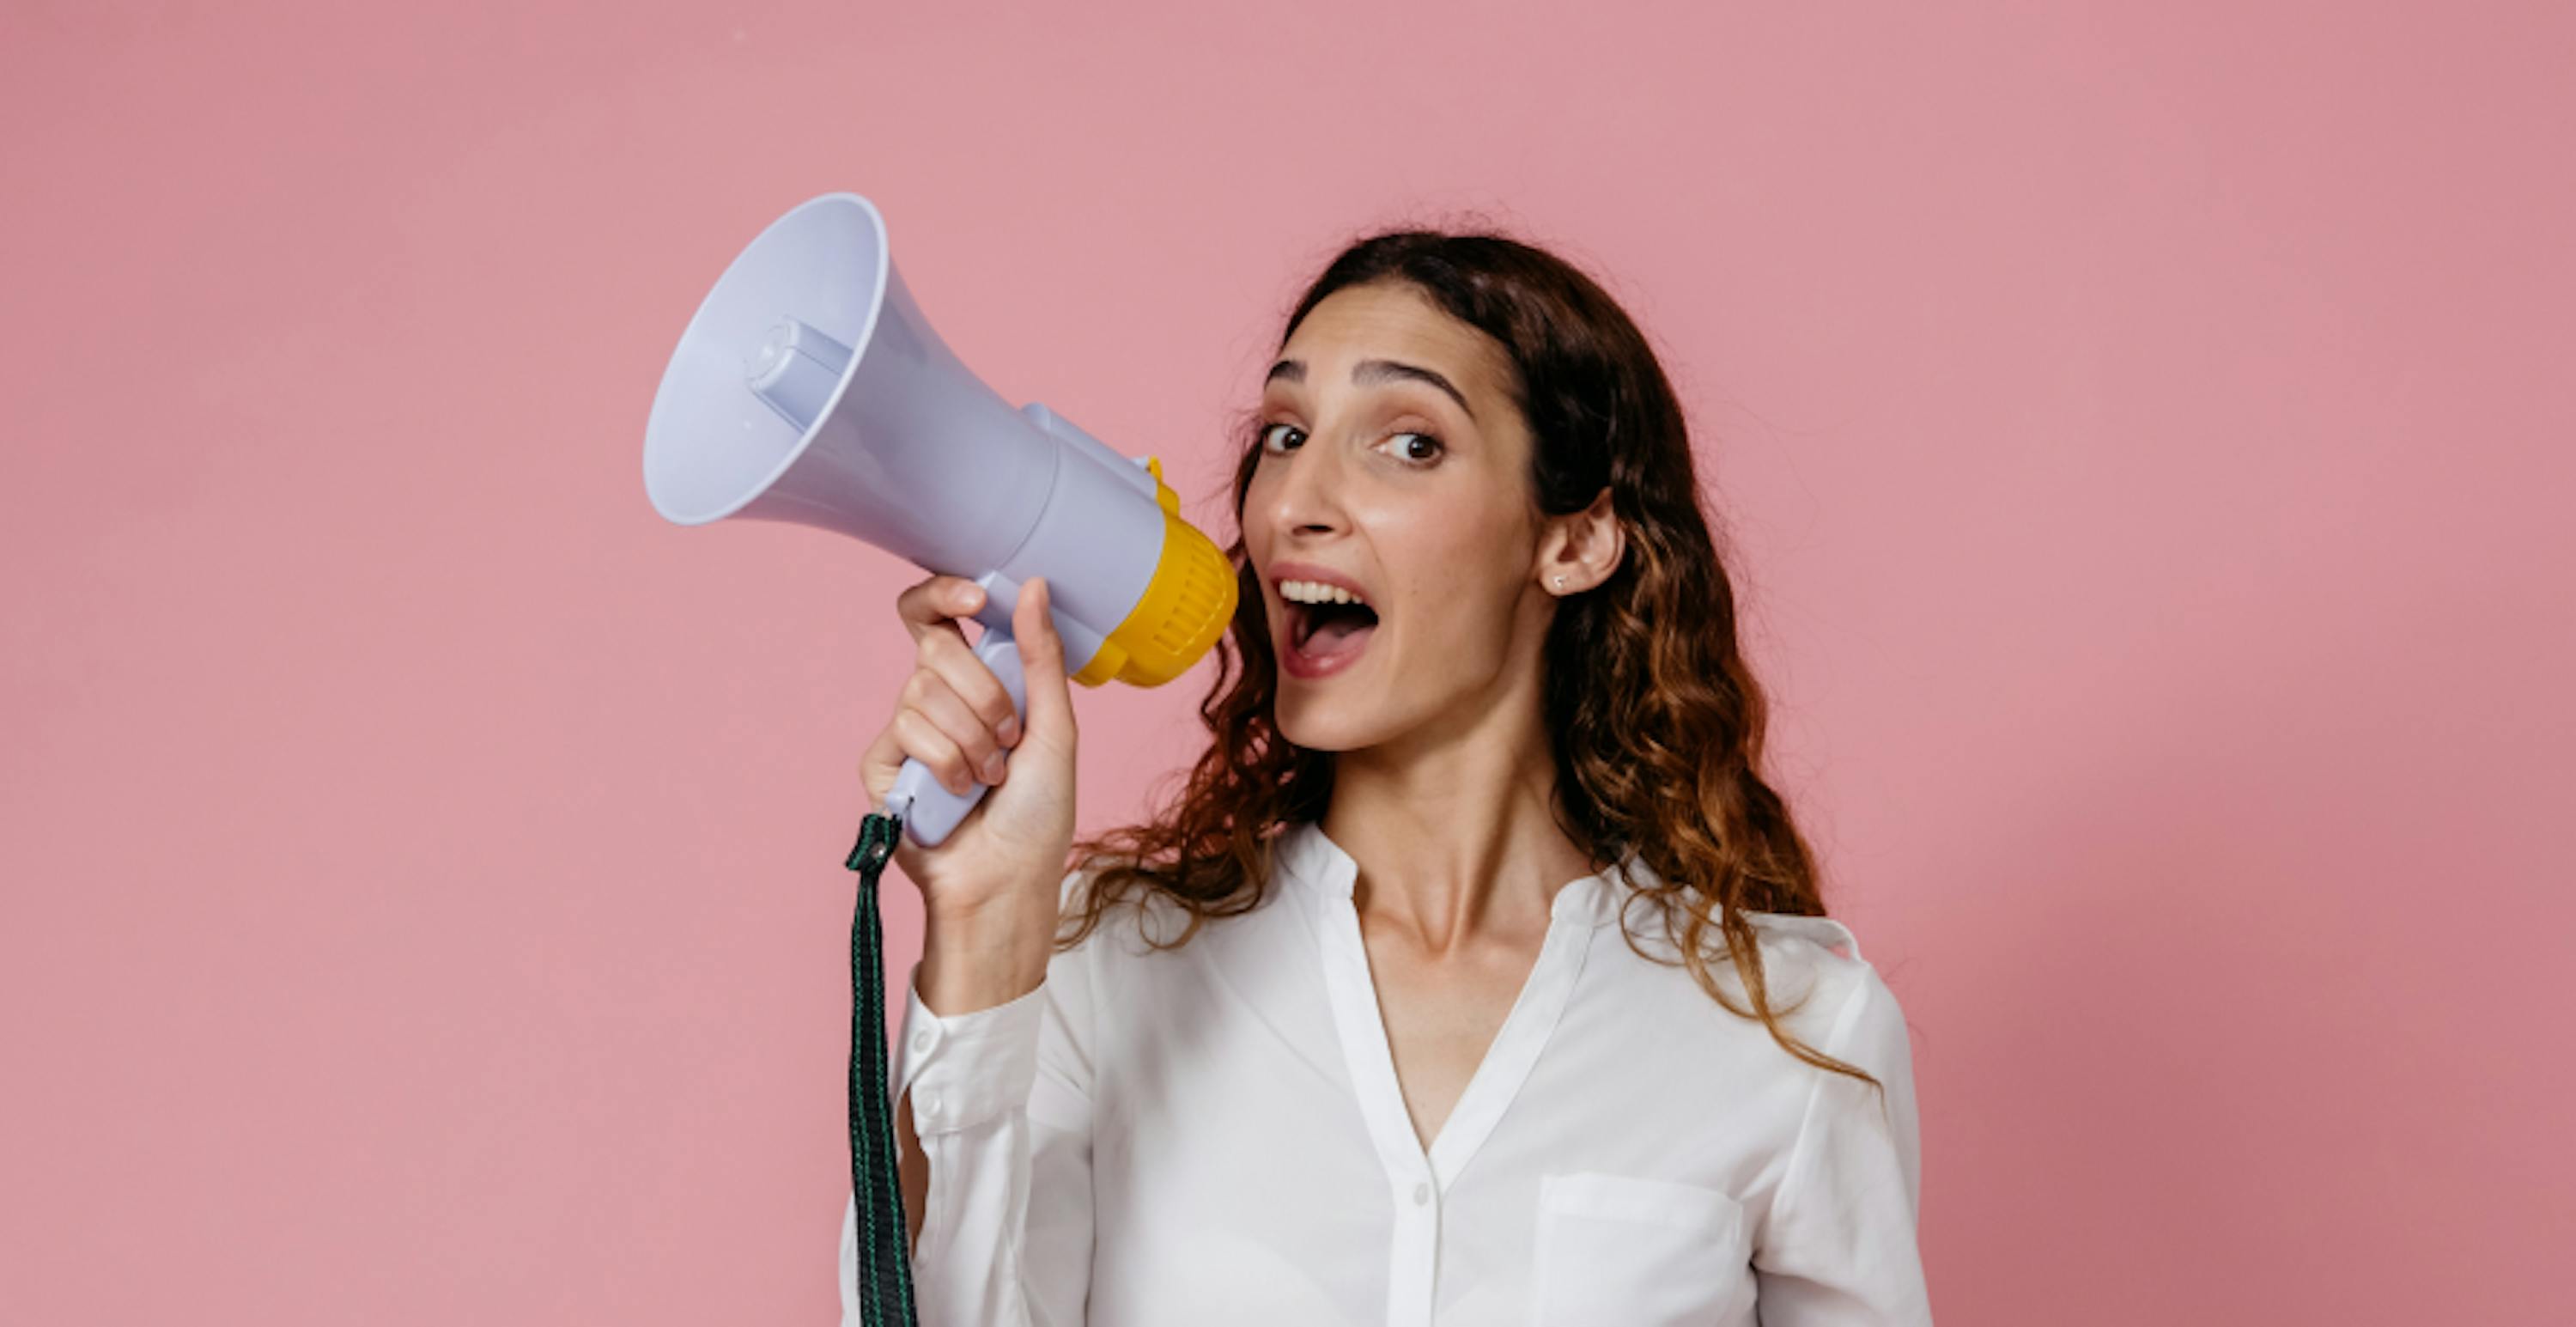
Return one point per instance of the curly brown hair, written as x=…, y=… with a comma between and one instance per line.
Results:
x=1656, y=722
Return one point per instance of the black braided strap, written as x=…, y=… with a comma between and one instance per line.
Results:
x=885, y=1262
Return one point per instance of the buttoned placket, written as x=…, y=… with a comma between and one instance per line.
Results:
x=1420, y=1180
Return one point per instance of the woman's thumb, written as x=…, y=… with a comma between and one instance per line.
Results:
x=1042, y=659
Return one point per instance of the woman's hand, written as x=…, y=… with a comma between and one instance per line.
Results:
x=998, y=873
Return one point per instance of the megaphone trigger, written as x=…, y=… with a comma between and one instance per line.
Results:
x=1001, y=602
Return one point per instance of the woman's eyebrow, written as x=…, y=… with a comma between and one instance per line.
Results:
x=1372, y=371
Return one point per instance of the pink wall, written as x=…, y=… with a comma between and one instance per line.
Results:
x=2146, y=428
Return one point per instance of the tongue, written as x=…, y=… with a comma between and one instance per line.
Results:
x=1336, y=633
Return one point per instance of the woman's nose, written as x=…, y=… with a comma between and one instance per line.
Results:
x=1304, y=500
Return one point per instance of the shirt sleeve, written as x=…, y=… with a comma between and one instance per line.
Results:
x=1001, y=1101
x=1837, y=1248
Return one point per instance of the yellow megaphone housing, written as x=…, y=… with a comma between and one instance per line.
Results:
x=808, y=388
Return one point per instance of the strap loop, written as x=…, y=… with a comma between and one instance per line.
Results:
x=884, y=1268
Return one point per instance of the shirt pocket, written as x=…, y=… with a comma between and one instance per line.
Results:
x=1639, y=1252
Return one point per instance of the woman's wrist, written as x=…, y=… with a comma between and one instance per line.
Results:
x=976, y=960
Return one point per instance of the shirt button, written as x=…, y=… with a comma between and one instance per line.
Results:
x=921, y=1040
x=1421, y=1194
x=930, y=1102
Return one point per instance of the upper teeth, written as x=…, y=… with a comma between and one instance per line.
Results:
x=1317, y=592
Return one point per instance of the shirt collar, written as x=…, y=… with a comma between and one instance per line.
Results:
x=1314, y=861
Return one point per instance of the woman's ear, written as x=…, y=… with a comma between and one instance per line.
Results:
x=1581, y=549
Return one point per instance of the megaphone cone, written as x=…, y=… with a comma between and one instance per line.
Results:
x=808, y=388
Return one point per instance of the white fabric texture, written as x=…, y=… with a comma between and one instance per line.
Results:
x=1215, y=1134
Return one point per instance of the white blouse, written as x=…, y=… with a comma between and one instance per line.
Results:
x=1215, y=1134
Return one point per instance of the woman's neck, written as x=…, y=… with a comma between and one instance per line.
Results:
x=1453, y=833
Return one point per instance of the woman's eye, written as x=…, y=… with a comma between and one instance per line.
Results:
x=1275, y=431
x=1417, y=447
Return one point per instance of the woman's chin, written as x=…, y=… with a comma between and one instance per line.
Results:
x=1308, y=726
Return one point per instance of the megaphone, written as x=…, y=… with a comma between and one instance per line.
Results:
x=809, y=389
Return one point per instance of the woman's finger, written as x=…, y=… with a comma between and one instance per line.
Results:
x=923, y=741
x=929, y=694
x=1042, y=663
x=931, y=605
x=973, y=681
x=880, y=763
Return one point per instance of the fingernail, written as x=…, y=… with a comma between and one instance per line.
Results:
x=1009, y=732
x=993, y=768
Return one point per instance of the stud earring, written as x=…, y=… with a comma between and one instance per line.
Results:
x=1560, y=582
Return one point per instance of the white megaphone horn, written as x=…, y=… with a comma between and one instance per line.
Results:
x=808, y=388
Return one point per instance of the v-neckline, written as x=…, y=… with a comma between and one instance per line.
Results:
x=1351, y=985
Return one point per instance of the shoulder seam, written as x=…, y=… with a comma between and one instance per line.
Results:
x=1805, y=927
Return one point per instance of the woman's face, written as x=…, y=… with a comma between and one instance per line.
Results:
x=1394, y=464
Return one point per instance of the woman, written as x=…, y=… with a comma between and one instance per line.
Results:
x=1476, y=975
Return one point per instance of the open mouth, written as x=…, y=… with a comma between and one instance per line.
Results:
x=1325, y=637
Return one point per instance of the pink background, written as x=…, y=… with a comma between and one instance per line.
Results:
x=2145, y=428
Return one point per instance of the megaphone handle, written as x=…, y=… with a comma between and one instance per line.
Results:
x=929, y=811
